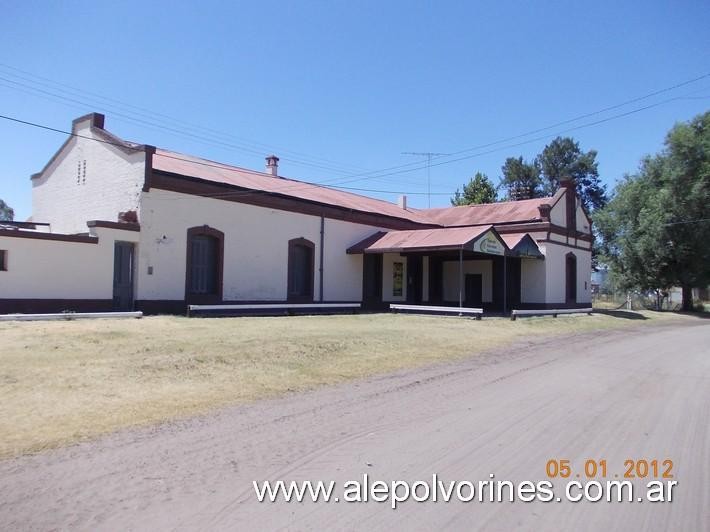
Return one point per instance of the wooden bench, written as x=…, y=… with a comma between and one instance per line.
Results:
x=69, y=316
x=272, y=307
x=554, y=312
x=476, y=312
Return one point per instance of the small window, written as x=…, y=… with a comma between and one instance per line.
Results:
x=3, y=260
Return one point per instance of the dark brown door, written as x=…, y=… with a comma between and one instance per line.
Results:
x=473, y=290
x=371, y=281
x=571, y=270
x=300, y=271
x=123, y=276
x=414, y=279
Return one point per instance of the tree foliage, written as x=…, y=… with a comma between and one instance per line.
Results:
x=655, y=231
x=521, y=179
x=7, y=214
x=478, y=190
x=563, y=159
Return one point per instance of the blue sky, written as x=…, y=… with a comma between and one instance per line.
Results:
x=340, y=88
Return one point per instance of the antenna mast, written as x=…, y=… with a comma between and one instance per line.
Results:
x=428, y=155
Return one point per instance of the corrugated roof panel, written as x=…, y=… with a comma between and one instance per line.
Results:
x=187, y=165
x=493, y=213
x=420, y=239
x=488, y=213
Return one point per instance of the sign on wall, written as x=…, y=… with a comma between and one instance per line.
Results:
x=397, y=278
x=489, y=244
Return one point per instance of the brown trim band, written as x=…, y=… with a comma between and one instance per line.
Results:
x=542, y=227
x=23, y=225
x=83, y=239
x=46, y=306
x=123, y=226
x=200, y=187
x=564, y=244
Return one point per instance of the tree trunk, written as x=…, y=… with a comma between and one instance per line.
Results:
x=687, y=298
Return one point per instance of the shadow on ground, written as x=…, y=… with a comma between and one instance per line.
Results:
x=631, y=315
x=625, y=314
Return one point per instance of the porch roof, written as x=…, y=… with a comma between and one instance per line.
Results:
x=522, y=245
x=440, y=239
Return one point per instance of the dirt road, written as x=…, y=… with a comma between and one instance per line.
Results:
x=639, y=394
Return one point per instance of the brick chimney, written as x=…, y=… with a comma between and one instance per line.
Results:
x=272, y=165
x=570, y=187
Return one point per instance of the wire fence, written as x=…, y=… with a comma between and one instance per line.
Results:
x=670, y=300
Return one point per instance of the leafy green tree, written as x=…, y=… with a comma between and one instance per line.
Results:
x=6, y=212
x=521, y=179
x=563, y=159
x=655, y=230
x=478, y=190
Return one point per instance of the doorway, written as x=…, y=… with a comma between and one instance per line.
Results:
x=123, y=254
x=473, y=290
x=372, y=281
x=571, y=271
x=414, y=279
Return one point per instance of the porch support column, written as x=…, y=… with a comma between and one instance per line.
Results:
x=505, y=284
x=460, y=277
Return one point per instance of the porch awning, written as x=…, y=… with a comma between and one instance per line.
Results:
x=522, y=245
x=482, y=239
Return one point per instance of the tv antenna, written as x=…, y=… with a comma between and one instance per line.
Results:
x=429, y=155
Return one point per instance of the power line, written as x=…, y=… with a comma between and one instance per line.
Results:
x=410, y=167
x=62, y=86
x=394, y=169
x=138, y=147
x=689, y=221
x=335, y=183
x=212, y=137
x=536, y=139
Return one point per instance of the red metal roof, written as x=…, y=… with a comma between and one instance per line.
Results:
x=525, y=241
x=492, y=213
x=186, y=165
x=420, y=239
x=512, y=239
x=488, y=213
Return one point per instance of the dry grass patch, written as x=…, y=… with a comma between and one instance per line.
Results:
x=61, y=382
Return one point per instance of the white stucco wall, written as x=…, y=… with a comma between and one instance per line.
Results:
x=533, y=280
x=555, y=275
x=66, y=196
x=53, y=269
x=342, y=276
x=558, y=213
x=255, y=248
x=451, y=278
x=558, y=238
x=582, y=222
